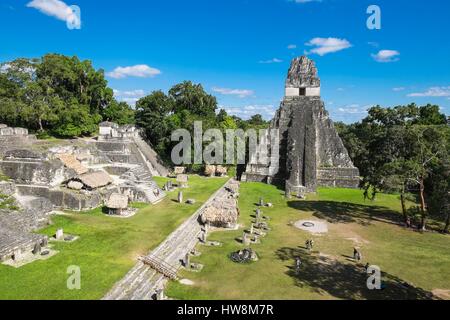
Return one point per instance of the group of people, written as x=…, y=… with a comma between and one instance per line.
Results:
x=309, y=245
x=357, y=256
x=298, y=262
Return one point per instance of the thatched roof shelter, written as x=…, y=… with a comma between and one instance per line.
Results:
x=96, y=179
x=117, y=201
x=221, y=171
x=71, y=162
x=223, y=213
x=210, y=170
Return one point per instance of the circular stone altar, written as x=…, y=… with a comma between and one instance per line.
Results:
x=312, y=226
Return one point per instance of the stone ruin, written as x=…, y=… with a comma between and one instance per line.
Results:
x=14, y=137
x=17, y=240
x=223, y=211
x=212, y=171
x=74, y=175
x=82, y=174
x=244, y=256
x=311, y=153
x=124, y=144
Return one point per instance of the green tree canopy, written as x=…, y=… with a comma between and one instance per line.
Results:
x=59, y=94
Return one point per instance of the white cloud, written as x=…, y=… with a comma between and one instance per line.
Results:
x=353, y=109
x=433, y=92
x=274, y=60
x=132, y=93
x=130, y=101
x=349, y=113
x=130, y=96
x=245, y=112
x=398, y=89
x=324, y=46
x=241, y=93
x=373, y=44
x=386, y=56
x=292, y=46
x=58, y=9
x=139, y=71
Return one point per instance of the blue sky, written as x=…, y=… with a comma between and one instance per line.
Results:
x=240, y=50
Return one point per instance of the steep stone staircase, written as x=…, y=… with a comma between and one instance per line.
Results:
x=151, y=156
x=145, y=183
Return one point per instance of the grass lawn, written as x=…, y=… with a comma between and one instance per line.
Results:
x=107, y=249
x=412, y=264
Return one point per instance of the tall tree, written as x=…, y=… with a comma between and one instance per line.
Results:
x=193, y=98
x=119, y=112
x=152, y=114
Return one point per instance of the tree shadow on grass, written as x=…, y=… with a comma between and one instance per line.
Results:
x=345, y=281
x=344, y=212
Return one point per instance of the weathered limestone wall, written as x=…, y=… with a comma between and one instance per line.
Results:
x=7, y=188
x=13, y=242
x=338, y=177
x=63, y=198
x=11, y=142
x=118, y=151
x=26, y=171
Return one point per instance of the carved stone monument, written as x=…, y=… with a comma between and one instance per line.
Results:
x=59, y=234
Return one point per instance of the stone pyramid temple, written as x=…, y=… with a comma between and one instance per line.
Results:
x=311, y=153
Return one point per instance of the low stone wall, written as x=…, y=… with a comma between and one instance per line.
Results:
x=254, y=177
x=64, y=199
x=10, y=142
x=338, y=177
x=113, y=146
x=24, y=221
x=50, y=173
x=116, y=170
x=13, y=242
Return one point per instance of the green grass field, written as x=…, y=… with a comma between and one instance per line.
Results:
x=107, y=249
x=413, y=264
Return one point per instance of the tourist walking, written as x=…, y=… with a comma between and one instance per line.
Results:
x=357, y=255
x=298, y=265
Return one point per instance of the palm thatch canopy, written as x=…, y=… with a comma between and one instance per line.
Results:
x=117, y=201
x=71, y=162
x=210, y=170
x=96, y=179
x=221, y=213
x=221, y=170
